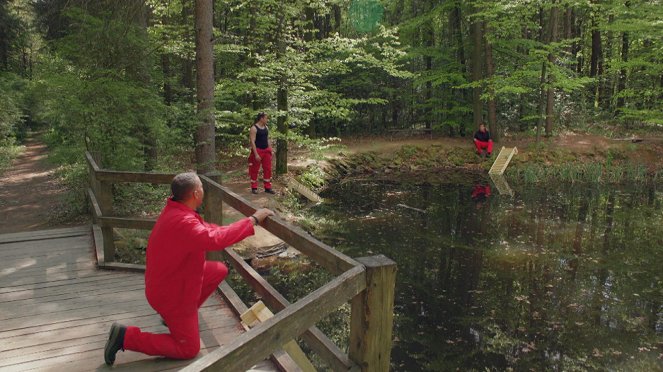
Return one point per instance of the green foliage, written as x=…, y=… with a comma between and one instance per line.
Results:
x=12, y=123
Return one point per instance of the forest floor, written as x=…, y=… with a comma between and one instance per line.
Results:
x=30, y=192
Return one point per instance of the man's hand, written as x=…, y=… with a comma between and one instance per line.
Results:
x=257, y=157
x=262, y=213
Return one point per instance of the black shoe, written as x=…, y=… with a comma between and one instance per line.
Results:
x=488, y=155
x=254, y=191
x=115, y=343
x=270, y=191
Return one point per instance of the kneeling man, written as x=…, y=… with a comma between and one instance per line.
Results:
x=178, y=279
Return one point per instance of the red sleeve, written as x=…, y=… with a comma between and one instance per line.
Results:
x=211, y=237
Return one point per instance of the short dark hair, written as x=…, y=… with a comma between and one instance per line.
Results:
x=183, y=184
x=259, y=116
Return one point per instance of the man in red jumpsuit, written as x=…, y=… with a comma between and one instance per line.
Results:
x=178, y=279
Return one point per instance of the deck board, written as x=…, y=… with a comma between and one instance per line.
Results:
x=56, y=307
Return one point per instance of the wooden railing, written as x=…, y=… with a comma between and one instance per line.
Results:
x=368, y=283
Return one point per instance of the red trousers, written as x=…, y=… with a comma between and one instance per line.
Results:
x=183, y=341
x=254, y=167
x=483, y=145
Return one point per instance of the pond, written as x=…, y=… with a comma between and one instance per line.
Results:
x=549, y=278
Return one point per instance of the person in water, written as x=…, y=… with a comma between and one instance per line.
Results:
x=483, y=141
x=261, y=154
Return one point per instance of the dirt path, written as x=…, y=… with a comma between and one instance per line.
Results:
x=29, y=191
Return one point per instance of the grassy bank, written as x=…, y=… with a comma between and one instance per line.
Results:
x=535, y=163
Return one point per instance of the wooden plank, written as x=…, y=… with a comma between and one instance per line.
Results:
x=305, y=191
x=98, y=240
x=259, y=313
x=43, y=293
x=326, y=256
x=128, y=223
x=96, y=209
x=16, y=311
x=287, y=324
x=91, y=162
x=372, y=315
x=122, y=317
x=314, y=338
x=59, y=280
x=124, y=267
x=210, y=317
x=43, y=234
x=140, y=177
x=279, y=357
x=65, y=282
x=212, y=330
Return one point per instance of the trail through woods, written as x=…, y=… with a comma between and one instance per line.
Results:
x=30, y=193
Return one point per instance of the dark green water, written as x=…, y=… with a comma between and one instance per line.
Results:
x=565, y=278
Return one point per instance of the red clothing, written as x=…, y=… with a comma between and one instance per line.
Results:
x=176, y=254
x=178, y=279
x=254, y=167
x=484, y=145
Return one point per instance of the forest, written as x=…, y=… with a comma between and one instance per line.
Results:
x=121, y=77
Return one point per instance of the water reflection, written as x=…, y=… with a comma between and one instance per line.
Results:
x=559, y=279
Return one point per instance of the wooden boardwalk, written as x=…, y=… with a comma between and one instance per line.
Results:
x=56, y=307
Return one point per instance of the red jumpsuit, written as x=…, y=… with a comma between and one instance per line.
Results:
x=178, y=279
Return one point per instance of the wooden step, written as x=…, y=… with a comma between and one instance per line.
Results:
x=502, y=160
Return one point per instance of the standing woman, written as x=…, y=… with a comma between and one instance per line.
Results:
x=261, y=153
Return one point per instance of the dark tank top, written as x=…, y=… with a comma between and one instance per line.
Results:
x=261, y=137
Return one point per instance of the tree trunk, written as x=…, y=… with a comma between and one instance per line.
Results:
x=550, y=101
x=167, y=86
x=461, y=94
x=477, y=104
x=428, y=33
x=140, y=71
x=621, y=85
x=282, y=105
x=495, y=130
x=596, y=67
x=205, y=136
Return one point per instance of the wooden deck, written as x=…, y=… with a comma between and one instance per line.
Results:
x=56, y=307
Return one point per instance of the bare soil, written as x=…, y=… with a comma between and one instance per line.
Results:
x=30, y=192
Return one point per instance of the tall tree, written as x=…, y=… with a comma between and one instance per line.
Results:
x=205, y=134
x=550, y=100
x=282, y=103
x=490, y=74
x=477, y=39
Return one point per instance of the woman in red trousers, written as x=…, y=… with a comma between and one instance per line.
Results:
x=261, y=154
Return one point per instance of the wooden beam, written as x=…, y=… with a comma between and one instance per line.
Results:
x=259, y=313
x=128, y=223
x=91, y=162
x=279, y=357
x=268, y=336
x=98, y=240
x=326, y=256
x=120, y=177
x=372, y=315
x=96, y=210
x=314, y=338
x=124, y=267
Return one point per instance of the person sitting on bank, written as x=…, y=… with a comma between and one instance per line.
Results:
x=178, y=279
x=482, y=140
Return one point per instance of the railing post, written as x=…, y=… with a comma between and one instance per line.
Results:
x=213, y=202
x=104, y=193
x=372, y=315
x=213, y=207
